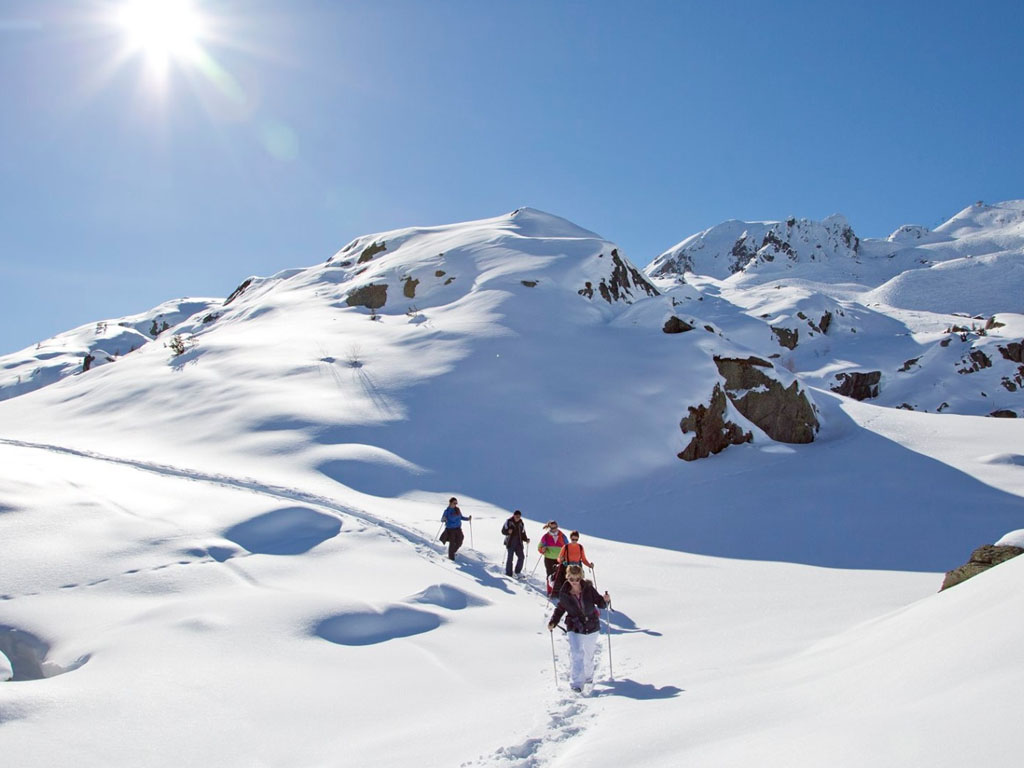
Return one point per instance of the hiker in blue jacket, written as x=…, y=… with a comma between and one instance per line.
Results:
x=453, y=517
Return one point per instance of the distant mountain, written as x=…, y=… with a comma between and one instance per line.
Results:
x=90, y=346
x=829, y=252
x=740, y=246
x=527, y=361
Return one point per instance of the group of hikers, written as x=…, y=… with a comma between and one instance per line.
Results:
x=576, y=598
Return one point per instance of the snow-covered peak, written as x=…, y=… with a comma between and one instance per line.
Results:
x=913, y=234
x=528, y=253
x=739, y=246
x=1007, y=216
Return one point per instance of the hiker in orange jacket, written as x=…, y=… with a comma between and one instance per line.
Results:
x=571, y=554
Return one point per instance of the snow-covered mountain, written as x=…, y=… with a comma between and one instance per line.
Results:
x=922, y=320
x=526, y=360
x=764, y=248
x=90, y=346
x=221, y=540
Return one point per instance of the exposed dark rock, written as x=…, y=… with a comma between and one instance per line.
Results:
x=1016, y=381
x=87, y=362
x=529, y=283
x=675, y=325
x=210, y=318
x=712, y=433
x=784, y=413
x=370, y=251
x=450, y=280
x=993, y=323
x=821, y=327
x=772, y=239
x=787, y=338
x=825, y=323
x=741, y=255
x=587, y=290
x=982, y=559
x=978, y=361
x=858, y=385
x=908, y=364
x=621, y=283
x=409, y=289
x=439, y=273
x=238, y=291
x=369, y=296
x=1002, y=413
x=1014, y=352
x=851, y=240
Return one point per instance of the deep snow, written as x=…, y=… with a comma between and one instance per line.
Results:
x=229, y=555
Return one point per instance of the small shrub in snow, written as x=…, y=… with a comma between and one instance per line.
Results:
x=179, y=345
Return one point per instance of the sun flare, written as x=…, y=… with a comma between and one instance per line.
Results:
x=161, y=30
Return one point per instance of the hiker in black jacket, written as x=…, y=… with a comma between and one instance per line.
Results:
x=515, y=536
x=579, y=601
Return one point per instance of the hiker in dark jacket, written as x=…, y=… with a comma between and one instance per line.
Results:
x=453, y=517
x=579, y=602
x=515, y=536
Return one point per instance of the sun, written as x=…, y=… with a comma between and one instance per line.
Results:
x=163, y=31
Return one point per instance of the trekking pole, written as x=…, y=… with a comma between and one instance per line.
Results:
x=608, y=629
x=439, y=530
x=593, y=572
x=471, y=544
x=554, y=666
x=539, y=558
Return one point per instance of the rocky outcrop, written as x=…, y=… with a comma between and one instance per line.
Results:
x=620, y=284
x=712, y=432
x=370, y=251
x=975, y=361
x=676, y=325
x=239, y=290
x=982, y=559
x=369, y=296
x=821, y=326
x=783, y=413
x=787, y=337
x=1014, y=352
x=858, y=385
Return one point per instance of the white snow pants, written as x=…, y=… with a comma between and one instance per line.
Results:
x=581, y=653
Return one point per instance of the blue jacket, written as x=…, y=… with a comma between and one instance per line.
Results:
x=452, y=517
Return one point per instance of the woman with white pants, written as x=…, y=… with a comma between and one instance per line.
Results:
x=579, y=602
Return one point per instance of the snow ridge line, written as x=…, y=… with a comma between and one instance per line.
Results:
x=397, y=532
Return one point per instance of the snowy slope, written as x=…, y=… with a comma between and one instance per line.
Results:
x=179, y=616
x=229, y=555
x=101, y=342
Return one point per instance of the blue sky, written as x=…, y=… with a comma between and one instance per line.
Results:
x=312, y=122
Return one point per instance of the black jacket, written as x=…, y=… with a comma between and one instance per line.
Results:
x=513, y=530
x=583, y=619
